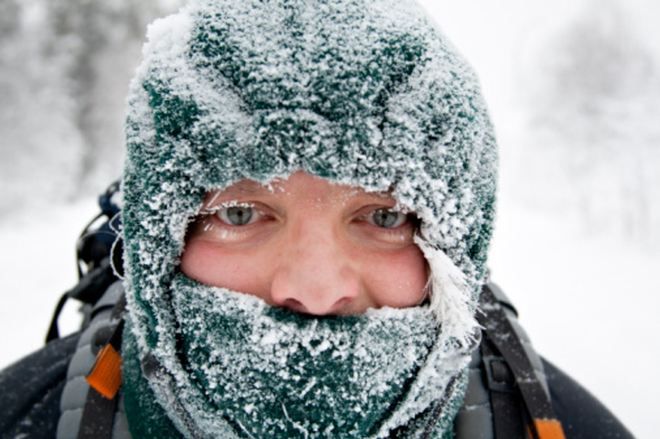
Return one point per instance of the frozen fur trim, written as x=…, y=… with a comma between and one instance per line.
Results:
x=451, y=298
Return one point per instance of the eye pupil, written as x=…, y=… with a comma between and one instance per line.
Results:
x=385, y=218
x=239, y=215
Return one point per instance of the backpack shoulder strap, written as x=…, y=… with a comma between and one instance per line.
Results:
x=507, y=395
x=84, y=413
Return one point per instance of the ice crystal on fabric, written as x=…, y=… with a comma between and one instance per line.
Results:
x=364, y=93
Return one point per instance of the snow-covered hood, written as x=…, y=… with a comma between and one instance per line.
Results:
x=361, y=92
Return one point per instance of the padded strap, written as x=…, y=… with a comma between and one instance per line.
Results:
x=504, y=398
x=73, y=404
x=98, y=417
x=501, y=333
x=99, y=412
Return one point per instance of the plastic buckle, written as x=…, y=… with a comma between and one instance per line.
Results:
x=499, y=376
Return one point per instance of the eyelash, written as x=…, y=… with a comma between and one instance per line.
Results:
x=214, y=210
x=237, y=231
x=229, y=231
x=232, y=203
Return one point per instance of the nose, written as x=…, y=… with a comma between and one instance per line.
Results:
x=315, y=275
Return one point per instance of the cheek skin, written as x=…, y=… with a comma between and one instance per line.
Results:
x=395, y=278
x=213, y=264
x=383, y=273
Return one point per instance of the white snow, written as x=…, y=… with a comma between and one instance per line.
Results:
x=38, y=264
x=578, y=261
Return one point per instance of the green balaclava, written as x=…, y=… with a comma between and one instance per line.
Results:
x=360, y=92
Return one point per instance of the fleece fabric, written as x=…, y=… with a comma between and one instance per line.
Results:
x=366, y=93
x=260, y=371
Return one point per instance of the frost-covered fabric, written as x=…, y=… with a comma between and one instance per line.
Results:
x=258, y=371
x=360, y=92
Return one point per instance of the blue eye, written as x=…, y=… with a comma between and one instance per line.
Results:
x=386, y=218
x=237, y=215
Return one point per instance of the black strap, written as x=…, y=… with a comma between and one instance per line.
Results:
x=502, y=335
x=505, y=401
x=53, y=329
x=89, y=290
x=98, y=249
x=98, y=416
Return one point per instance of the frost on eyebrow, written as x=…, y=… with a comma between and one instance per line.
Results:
x=213, y=206
x=341, y=192
x=243, y=188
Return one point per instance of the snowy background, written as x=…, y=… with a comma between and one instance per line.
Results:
x=574, y=89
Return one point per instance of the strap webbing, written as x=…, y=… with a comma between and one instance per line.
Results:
x=98, y=416
x=502, y=334
x=505, y=401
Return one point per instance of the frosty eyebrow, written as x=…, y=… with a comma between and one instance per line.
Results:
x=374, y=196
x=250, y=188
x=242, y=188
x=245, y=188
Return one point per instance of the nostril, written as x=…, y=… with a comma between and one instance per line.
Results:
x=339, y=306
x=328, y=290
x=294, y=305
x=314, y=309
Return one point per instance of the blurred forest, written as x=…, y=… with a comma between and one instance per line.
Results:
x=590, y=93
x=65, y=66
x=589, y=89
x=592, y=146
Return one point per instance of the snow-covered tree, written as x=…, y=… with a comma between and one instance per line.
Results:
x=64, y=72
x=591, y=109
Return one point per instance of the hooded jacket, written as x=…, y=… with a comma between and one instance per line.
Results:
x=42, y=389
x=364, y=93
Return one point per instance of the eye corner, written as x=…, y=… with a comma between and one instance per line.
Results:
x=414, y=219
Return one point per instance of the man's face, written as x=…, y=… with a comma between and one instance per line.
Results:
x=308, y=245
